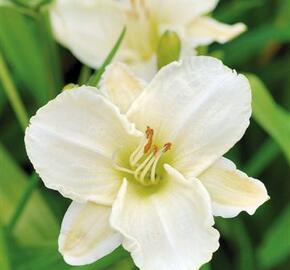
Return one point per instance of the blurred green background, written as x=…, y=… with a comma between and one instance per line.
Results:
x=35, y=67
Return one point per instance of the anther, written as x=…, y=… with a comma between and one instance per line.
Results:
x=149, y=136
x=155, y=149
x=167, y=147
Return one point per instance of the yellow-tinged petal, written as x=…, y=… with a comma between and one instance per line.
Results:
x=231, y=190
x=200, y=106
x=205, y=30
x=169, y=228
x=121, y=86
x=86, y=235
x=71, y=142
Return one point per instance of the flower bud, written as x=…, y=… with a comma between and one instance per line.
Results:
x=70, y=86
x=168, y=49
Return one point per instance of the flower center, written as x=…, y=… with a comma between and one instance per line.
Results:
x=144, y=160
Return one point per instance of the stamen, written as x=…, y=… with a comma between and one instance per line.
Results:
x=137, y=154
x=155, y=149
x=143, y=148
x=165, y=148
x=146, y=169
x=118, y=167
x=142, y=165
x=122, y=169
x=149, y=136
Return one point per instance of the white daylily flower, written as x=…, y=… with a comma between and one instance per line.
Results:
x=152, y=186
x=89, y=28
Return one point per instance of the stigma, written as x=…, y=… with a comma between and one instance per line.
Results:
x=144, y=160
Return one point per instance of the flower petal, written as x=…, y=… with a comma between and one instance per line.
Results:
x=168, y=227
x=200, y=106
x=88, y=28
x=180, y=11
x=205, y=30
x=71, y=142
x=231, y=190
x=121, y=86
x=86, y=235
x=145, y=69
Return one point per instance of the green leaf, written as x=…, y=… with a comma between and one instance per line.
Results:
x=47, y=258
x=26, y=50
x=253, y=41
x=36, y=224
x=4, y=258
x=269, y=115
x=12, y=94
x=95, y=78
x=206, y=267
x=275, y=248
x=236, y=233
x=268, y=152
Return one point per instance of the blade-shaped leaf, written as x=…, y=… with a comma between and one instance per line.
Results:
x=275, y=247
x=270, y=116
x=28, y=52
x=36, y=224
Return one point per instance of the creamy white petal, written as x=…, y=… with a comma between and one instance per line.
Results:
x=201, y=106
x=86, y=234
x=179, y=11
x=169, y=228
x=205, y=30
x=145, y=69
x=231, y=190
x=121, y=86
x=71, y=142
x=88, y=28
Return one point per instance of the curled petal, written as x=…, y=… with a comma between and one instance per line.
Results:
x=71, y=142
x=231, y=190
x=205, y=30
x=199, y=105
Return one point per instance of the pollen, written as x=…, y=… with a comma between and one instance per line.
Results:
x=167, y=147
x=149, y=136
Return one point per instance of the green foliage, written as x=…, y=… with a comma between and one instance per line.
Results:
x=274, y=119
x=275, y=247
x=24, y=41
x=95, y=78
x=32, y=228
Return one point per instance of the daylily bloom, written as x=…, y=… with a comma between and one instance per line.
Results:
x=143, y=163
x=89, y=28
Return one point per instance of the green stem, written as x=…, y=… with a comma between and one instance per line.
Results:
x=51, y=56
x=206, y=267
x=32, y=184
x=84, y=75
x=95, y=78
x=4, y=259
x=12, y=94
